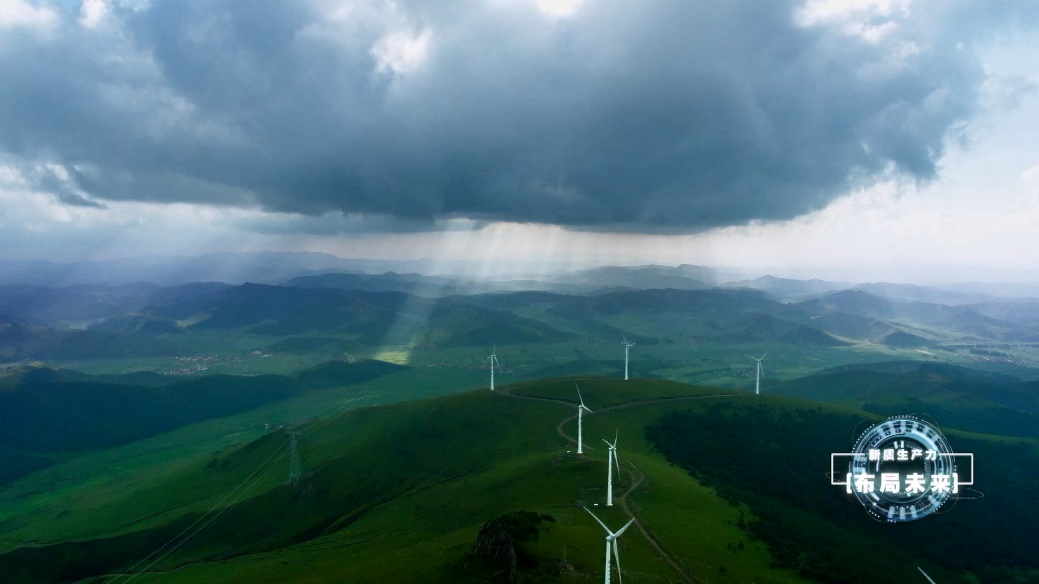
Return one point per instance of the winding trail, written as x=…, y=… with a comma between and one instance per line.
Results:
x=637, y=477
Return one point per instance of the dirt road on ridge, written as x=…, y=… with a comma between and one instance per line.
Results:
x=637, y=477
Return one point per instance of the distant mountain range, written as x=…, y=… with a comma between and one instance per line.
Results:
x=135, y=320
x=445, y=277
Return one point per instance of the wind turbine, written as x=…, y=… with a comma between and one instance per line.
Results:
x=494, y=361
x=925, y=575
x=581, y=408
x=627, y=346
x=611, y=541
x=757, y=380
x=611, y=458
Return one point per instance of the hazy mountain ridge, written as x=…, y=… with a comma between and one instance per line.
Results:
x=789, y=289
x=959, y=319
x=232, y=268
x=83, y=322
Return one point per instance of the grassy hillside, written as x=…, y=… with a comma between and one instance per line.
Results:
x=399, y=493
x=47, y=414
x=957, y=397
x=391, y=494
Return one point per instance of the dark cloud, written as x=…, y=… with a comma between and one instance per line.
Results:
x=664, y=116
x=63, y=188
x=78, y=200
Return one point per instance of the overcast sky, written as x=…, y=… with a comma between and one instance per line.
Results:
x=892, y=137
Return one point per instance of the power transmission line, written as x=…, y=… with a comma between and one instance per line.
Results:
x=295, y=475
x=280, y=451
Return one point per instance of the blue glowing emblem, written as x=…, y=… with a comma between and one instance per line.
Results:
x=902, y=469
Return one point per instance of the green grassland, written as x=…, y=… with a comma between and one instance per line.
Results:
x=392, y=488
x=95, y=483
x=49, y=416
x=398, y=492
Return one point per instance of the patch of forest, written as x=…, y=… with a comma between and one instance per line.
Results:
x=776, y=461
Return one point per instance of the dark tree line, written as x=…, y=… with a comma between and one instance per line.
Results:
x=777, y=460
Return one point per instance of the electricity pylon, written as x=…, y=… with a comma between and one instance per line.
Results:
x=295, y=474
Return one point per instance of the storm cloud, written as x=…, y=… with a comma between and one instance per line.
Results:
x=631, y=116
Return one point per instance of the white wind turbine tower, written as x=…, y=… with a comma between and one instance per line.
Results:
x=494, y=361
x=611, y=541
x=925, y=575
x=627, y=346
x=581, y=408
x=757, y=380
x=611, y=458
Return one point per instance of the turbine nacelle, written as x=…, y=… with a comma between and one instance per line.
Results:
x=611, y=460
x=757, y=379
x=580, y=400
x=611, y=545
x=494, y=358
x=581, y=408
x=627, y=346
x=494, y=362
x=758, y=359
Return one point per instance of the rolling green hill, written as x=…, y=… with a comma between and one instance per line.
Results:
x=957, y=397
x=19, y=341
x=46, y=413
x=399, y=493
x=454, y=322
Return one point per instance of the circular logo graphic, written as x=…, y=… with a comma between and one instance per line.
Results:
x=902, y=469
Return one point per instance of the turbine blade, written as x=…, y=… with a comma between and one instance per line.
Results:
x=617, y=560
x=597, y=521
x=625, y=339
x=925, y=575
x=607, y=442
x=763, y=356
x=616, y=433
x=626, y=525
x=617, y=463
x=579, y=398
